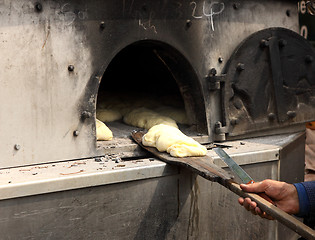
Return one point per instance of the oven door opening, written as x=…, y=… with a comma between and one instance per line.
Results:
x=151, y=77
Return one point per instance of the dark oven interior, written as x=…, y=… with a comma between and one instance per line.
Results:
x=154, y=76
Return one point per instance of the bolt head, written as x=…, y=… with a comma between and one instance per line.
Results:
x=309, y=59
x=271, y=116
x=235, y=6
x=102, y=25
x=76, y=133
x=264, y=43
x=38, y=7
x=70, y=68
x=288, y=13
x=291, y=114
x=86, y=114
x=212, y=72
x=240, y=67
x=188, y=23
x=220, y=60
x=282, y=42
x=17, y=147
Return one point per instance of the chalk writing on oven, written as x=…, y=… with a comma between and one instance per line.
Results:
x=209, y=9
x=147, y=24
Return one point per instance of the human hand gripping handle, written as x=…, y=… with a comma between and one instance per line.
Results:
x=281, y=194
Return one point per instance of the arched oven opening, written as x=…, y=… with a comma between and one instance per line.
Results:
x=154, y=76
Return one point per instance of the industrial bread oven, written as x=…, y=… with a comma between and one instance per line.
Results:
x=243, y=75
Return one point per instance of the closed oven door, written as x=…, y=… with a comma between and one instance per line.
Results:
x=268, y=83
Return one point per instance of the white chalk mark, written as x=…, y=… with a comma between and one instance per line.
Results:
x=194, y=11
x=206, y=14
x=147, y=25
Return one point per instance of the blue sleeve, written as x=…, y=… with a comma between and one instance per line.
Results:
x=310, y=191
x=304, y=203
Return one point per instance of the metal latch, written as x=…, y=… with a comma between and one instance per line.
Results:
x=214, y=81
x=220, y=131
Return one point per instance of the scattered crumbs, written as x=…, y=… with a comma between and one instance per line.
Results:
x=9, y=182
x=98, y=159
x=120, y=165
x=53, y=165
x=75, y=164
x=28, y=169
x=34, y=173
x=42, y=167
x=242, y=143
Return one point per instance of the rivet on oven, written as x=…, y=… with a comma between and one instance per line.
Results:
x=288, y=13
x=271, y=116
x=220, y=60
x=291, y=114
x=17, y=147
x=70, y=68
x=102, y=25
x=212, y=72
x=234, y=121
x=282, y=42
x=76, y=133
x=264, y=43
x=309, y=59
x=38, y=7
x=240, y=67
x=236, y=5
x=188, y=23
x=86, y=114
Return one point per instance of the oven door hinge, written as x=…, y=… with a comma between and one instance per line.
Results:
x=214, y=81
x=220, y=131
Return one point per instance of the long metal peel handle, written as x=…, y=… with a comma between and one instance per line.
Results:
x=283, y=217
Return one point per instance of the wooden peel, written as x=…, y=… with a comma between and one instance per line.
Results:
x=205, y=167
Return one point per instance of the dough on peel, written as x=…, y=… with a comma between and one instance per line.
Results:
x=145, y=118
x=108, y=115
x=184, y=150
x=172, y=140
x=102, y=131
x=151, y=137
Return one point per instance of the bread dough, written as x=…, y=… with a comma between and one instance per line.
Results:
x=145, y=118
x=108, y=115
x=178, y=114
x=172, y=140
x=102, y=131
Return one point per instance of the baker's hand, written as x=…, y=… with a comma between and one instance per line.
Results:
x=284, y=196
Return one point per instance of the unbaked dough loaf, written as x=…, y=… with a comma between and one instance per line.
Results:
x=176, y=113
x=145, y=118
x=172, y=140
x=108, y=115
x=102, y=131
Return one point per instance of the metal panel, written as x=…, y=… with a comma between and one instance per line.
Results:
x=42, y=100
x=144, y=199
